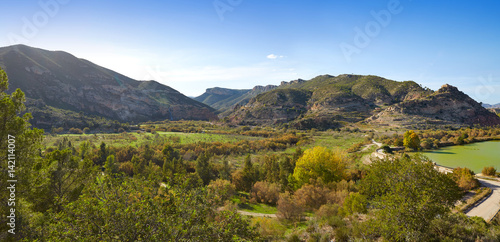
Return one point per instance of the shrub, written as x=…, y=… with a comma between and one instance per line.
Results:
x=464, y=178
x=127, y=168
x=268, y=227
x=288, y=208
x=222, y=189
x=489, y=171
x=312, y=197
x=327, y=211
x=75, y=131
x=355, y=203
x=264, y=192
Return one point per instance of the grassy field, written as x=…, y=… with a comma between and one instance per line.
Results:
x=341, y=140
x=136, y=139
x=253, y=207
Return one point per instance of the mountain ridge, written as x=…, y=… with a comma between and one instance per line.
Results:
x=336, y=100
x=61, y=80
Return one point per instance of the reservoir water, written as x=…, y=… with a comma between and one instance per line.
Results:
x=473, y=156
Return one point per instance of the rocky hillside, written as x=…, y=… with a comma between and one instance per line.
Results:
x=60, y=80
x=447, y=106
x=326, y=101
x=225, y=100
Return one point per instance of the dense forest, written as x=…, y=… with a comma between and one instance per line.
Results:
x=156, y=187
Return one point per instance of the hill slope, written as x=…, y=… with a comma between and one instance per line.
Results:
x=331, y=101
x=224, y=99
x=60, y=80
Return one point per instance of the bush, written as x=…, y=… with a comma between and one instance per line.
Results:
x=464, y=178
x=489, y=171
x=288, y=208
x=327, y=211
x=75, y=131
x=312, y=197
x=355, y=203
x=264, y=192
x=268, y=227
x=127, y=168
x=222, y=189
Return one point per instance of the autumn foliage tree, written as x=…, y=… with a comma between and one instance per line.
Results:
x=411, y=140
x=320, y=163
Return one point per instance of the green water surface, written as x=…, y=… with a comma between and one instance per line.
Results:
x=473, y=156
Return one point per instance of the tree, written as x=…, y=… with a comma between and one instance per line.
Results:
x=320, y=163
x=248, y=175
x=102, y=154
x=59, y=179
x=110, y=167
x=113, y=209
x=203, y=168
x=407, y=193
x=225, y=173
x=411, y=140
x=286, y=169
x=24, y=145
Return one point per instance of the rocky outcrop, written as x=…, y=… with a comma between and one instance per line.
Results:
x=448, y=105
x=65, y=82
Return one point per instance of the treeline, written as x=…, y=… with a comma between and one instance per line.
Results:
x=432, y=139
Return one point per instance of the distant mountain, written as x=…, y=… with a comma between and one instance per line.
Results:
x=224, y=99
x=331, y=101
x=58, y=79
x=491, y=106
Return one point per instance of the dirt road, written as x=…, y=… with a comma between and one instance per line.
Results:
x=489, y=206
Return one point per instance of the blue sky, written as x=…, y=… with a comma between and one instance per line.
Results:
x=193, y=45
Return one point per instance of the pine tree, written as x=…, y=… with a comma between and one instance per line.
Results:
x=203, y=168
x=248, y=174
x=24, y=144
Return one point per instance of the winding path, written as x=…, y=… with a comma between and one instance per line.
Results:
x=488, y=207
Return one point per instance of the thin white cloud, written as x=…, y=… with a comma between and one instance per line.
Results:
x=272, y=56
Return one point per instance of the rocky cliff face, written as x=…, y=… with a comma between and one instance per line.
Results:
x=448, y=105
x=63, y=81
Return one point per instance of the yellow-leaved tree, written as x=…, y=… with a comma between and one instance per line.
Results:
x=320, y=163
